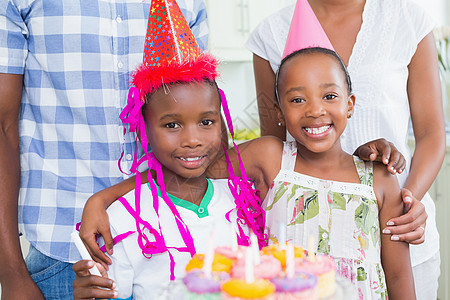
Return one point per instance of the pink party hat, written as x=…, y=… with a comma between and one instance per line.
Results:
x=305, y=30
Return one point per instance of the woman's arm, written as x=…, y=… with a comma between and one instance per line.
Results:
x=394, y=255
x=425, y=101
x=265, y=96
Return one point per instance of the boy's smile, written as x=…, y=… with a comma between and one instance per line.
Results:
x=183, y=128
x=192, y=162
x=314, y=100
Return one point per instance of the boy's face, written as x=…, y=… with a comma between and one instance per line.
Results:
x=314, y=100
x=183, y=127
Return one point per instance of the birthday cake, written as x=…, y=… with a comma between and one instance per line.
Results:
x=272, y=273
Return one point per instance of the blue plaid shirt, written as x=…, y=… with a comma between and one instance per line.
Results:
x=76, y=58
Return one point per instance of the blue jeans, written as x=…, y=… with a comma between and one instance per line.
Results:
x=52, y=276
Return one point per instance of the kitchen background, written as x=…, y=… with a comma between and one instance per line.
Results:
x=231, y=22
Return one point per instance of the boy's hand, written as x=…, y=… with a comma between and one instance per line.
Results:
x=95, y=221
x=87, y=286
x=409, y=227
x=383, y=151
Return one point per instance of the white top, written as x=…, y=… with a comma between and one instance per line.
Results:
x=378, y=67
x=144, y=278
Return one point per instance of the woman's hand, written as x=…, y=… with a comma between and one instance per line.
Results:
x=409, y=227
x=94, y=222
x=87, y=286
x=383, y=151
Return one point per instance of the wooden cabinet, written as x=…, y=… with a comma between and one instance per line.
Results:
x=232, y=21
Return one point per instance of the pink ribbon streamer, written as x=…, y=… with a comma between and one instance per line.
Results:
x=248, y=205
x=132, y=116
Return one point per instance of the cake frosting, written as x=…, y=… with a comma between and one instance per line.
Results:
x=268, y=267
x=276, y=251
x=228, y=252
x=240, y=289
x=302, y=286
x=324, y=267
x=220, y=263
x=199, y=286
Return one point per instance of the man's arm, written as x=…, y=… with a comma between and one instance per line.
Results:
x=14, y=278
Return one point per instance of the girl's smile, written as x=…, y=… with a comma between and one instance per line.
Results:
x=317, y=131
x=314, y=101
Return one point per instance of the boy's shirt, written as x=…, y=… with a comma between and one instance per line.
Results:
x=142, y=278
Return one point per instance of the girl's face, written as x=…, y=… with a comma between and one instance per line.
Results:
x=314, y=100
x=183, y=127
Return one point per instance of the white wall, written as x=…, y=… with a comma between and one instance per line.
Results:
x=438, y=9
x=237, y=81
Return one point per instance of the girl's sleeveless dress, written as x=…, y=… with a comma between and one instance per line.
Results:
x=341, y=217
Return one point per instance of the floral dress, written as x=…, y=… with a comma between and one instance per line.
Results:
x=341, y=217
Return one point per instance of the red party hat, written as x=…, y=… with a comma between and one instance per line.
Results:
x=305, y=30
x=171, y=53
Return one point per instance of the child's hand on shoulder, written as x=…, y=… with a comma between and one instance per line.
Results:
x=87, y=286
x=383, y=151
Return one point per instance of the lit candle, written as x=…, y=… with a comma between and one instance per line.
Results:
x=249, y=271
x=84, y=253
x=255, y=248
x=282, y=237
x=234, y=244
x=311, y=250
x=290, y=260
x=209, y=255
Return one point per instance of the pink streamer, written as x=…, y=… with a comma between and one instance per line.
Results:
x=132, y=115
x=248, y=205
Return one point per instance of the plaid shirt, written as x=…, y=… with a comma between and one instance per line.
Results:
x=76, y=58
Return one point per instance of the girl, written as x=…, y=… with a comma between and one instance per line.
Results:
x=175, y=108
x=390, y=52
x=184, y=132
x=318, y=190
